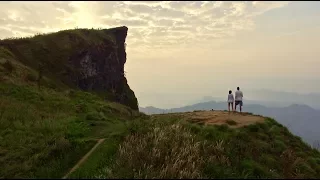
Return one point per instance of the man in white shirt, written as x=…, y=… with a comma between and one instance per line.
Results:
x=238, y=99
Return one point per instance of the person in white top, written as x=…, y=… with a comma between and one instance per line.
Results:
x=230, y=100
x=238, y=99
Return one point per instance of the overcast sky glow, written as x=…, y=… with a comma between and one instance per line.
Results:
x=193, y=49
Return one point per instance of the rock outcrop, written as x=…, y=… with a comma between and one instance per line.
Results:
x=91, y=60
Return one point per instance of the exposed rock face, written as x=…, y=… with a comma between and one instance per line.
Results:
x=101, y=68
x=91, y=66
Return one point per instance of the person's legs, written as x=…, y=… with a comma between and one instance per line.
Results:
x=228, y=106
x=232, y=107
x=241, y=106
x=236, y=104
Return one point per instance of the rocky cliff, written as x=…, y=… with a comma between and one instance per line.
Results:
x=88, y=59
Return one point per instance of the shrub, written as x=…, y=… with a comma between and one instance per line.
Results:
x=5, y=53
x=31, y=77
x=223, y=127
x=93, y=116
x=231, y=122
x=253, y=128
x=268, y=160
x=279, y=146
x=8, y=66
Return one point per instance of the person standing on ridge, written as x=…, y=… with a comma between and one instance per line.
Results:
x=230, y=100
x=238, y=99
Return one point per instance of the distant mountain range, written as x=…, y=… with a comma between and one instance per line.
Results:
x=302, y=120
x=265, y=97
x=310, y=99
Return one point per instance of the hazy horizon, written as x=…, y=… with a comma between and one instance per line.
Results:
x=167, y=100
x=193, y=49
x=179, y=99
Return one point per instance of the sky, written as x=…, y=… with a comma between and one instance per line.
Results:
x=180, y=51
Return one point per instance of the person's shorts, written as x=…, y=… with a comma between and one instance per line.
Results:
x=238, y=102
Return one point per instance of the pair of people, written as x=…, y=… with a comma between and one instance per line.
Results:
x=237, y=100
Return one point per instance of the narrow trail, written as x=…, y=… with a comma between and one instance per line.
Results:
x=83, y=159
x=200, y=117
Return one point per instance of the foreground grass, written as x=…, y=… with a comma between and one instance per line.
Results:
x=166, y=147
x=44, y=133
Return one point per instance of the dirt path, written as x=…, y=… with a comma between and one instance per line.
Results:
x=233, y=119
x=83, y=159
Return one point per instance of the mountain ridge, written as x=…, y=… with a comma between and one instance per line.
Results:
x=302, y=120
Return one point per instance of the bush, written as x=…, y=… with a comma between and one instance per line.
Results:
x=223, y=128
x=256, y=170
x=31, y=77
x=253, y=128
x=231, y=122
x=8, y=66
x=268, y=160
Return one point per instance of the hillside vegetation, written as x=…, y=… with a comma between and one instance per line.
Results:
x=44, y=133
x=47, y=123
x=90, y=60
x=169, y=146
x=46, y=129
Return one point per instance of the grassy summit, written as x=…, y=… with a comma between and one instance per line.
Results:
x=45, y=131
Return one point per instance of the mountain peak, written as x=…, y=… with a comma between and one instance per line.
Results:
x=87, y=59
x=300, y=106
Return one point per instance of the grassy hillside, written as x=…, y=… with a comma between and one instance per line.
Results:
x=46, y=124
x=169, y=147
x=87, y=59
x=44, y=132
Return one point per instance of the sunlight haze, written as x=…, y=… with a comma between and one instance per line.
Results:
x=179, y=52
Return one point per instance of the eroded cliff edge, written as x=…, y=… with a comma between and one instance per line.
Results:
x=88, y=59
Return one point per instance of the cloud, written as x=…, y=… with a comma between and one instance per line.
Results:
x=164, y=22
x=151, y=23
x=142, y=9
x=6, y=32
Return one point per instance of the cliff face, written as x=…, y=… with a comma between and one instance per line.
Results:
x=92, y=60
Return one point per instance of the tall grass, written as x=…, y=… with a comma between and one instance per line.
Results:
x=43, y=133
x=169, y=152
x=166, y=148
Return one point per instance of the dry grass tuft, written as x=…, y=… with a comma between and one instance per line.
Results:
x=167, y=152
x=290, y=164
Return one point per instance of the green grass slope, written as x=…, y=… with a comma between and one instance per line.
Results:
x=168, y=147
x=45, y=131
